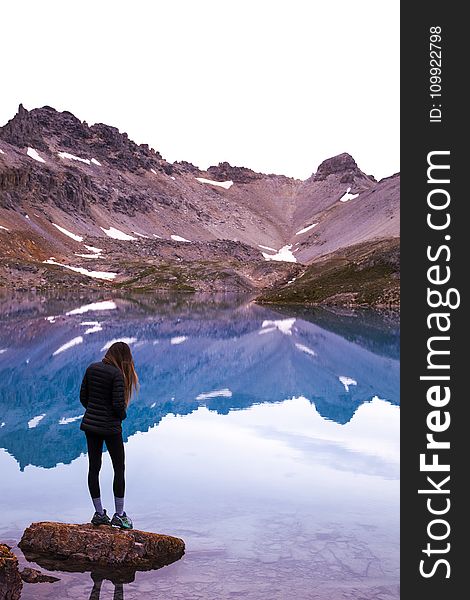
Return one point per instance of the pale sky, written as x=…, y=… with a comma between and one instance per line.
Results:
x=274, y=85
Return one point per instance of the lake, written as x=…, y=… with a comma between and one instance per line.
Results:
x=267, y=438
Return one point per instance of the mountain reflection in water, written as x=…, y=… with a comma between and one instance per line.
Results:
x=267, y=438
x=225, y=357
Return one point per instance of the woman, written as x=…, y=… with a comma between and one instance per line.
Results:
x=105, y=393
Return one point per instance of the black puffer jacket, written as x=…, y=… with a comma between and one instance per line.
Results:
x=102, y=394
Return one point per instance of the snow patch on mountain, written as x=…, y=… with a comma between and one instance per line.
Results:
x=223, y=184
x=93, y=249
x=32, y=153
x=117, y=234
x=347, y=196
x=308, y=228
x=74, y=236
x=94, y=274
x=284, y=254
x=178, y=238
x=73, y=157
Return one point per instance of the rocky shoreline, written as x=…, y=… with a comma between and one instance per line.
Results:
x=365, y=275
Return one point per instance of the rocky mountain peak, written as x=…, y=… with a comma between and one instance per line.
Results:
x=24, y=130
x=49, y=130
x=225, y=172
x=342, y=165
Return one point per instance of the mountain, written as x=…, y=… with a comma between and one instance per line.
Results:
x=85, y=206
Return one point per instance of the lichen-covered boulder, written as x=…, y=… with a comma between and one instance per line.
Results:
x=90, y=546
x=10, y=579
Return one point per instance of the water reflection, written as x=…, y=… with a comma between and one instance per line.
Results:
x=222, y=357
x=266, y=438
x=96, y=590
x=117, y=577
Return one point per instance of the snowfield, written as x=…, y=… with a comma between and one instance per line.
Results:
x=284, y=255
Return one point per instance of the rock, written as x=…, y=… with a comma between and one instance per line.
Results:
x=10, y=579
x=34, y=576
x=225, y=172
x=183, y=166
x=87, y=545
x=343, y=165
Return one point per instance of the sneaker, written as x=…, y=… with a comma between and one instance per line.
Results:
x=121, y=521
x=101, y=519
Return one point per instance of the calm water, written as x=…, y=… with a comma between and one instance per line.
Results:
x=267, y=439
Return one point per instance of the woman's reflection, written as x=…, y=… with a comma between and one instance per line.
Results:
x=96, y=590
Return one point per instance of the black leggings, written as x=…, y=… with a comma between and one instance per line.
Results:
x=115, y=446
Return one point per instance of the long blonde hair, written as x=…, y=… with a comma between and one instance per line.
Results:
x=119, y=354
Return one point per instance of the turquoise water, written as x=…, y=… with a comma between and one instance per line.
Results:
x=268, y=439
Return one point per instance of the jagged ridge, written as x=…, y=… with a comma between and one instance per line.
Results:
x=106, y=180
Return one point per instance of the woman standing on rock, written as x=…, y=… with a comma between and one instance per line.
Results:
x=105, y=393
